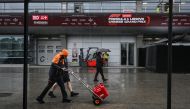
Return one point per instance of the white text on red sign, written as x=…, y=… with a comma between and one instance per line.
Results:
x=39, y=17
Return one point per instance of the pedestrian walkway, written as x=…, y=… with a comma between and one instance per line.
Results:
x=129, y=88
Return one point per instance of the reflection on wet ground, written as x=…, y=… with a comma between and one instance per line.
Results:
x=129, y=88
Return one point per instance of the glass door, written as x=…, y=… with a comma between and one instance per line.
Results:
x=123, y=53
x=131, y=53
x=127, y=53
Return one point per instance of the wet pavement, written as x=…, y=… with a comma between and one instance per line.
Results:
x=129, y=88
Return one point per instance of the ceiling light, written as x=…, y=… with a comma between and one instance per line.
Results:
x=182, y=3
x=144, y=3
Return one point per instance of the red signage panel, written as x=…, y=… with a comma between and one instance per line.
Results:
x=93, y=19
x=11, y=20
x=127, y=19
x=39, y=17
x=40, y=20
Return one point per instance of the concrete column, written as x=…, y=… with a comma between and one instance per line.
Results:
x=139, y=6
x=35, y=52
x=176, y=8
x=139, y=44
x=63, y=40
x=139, y=40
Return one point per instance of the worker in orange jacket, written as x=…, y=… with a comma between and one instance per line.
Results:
x=66, y=80
x=56, y=76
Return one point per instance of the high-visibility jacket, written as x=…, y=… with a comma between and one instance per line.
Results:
x=105, y=55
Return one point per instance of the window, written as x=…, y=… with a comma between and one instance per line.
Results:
x=70, y=7
x=92, y=7
x=36, y=7
x=11, y=7
x=111, y=7
x=52, y=7
x=128, y=7
x=11, y=49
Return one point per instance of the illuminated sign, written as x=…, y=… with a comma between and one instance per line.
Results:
x=125, y=19
x=40, y=19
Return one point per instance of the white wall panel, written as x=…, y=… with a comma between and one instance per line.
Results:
x=112, y=43
x=112, y=39
x=92, y=39
x=71, y=45
x=127, y=39
x=115, y=51
x=92, y=44
x=114, y=58
x=75, y=39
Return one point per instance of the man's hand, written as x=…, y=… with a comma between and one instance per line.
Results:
x=64, y=69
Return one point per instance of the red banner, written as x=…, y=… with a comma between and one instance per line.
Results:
x=130, y=19
x=127, y=19
x=11, y=20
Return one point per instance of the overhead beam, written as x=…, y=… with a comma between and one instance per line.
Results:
x=20, y=1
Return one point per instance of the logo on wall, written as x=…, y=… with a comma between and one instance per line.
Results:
x=40, y=19
x=128, y=19
x=42, y=58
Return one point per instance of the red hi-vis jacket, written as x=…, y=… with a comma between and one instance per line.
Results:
x=58, y=59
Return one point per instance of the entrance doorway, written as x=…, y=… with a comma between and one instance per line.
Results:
x=46, y=51
x=127, y=53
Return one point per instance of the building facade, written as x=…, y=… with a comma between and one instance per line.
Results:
x=121, y=26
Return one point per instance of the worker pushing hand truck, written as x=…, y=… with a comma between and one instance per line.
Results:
x=99, y=92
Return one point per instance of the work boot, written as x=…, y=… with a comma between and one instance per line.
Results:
x=40, y=100
x=105, y=80
x=66, y=100
x=74, y=94
x=51, y=94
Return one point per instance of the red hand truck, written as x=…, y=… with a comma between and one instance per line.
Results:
x=99, y=92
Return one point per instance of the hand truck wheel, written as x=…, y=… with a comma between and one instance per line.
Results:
x=97, y=101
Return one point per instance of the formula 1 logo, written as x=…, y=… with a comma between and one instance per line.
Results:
x=42, y=59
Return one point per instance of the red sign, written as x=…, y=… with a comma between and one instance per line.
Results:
x=178, y=20
x=128, y=20
x=40, y=17
x=126, y=15
x=11, y=20
x=101, y=19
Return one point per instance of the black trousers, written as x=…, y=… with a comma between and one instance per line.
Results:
x=54, y=76
x=99, y=70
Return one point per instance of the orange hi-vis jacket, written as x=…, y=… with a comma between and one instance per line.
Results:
x=58, y=59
